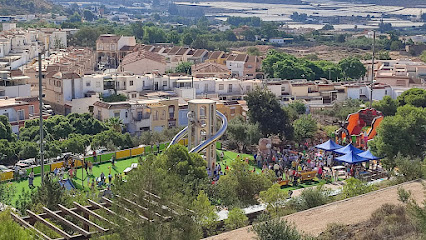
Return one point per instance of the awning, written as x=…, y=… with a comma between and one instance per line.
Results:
x=367, y=154
x=347, y=149
x=330, y=145
x=351, y=158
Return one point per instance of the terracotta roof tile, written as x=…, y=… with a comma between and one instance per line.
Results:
x=142, y=54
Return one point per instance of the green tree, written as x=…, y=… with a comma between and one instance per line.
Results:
x=88, y=15
x=187, y=39
x=264, y=108
x=409, y=168
x=352, y=68
x=236, y=219
x=6, y=129
x=274, y=198
x=240, y=185
x=328, y=27
x=387, y=106
x=75, y=18
x=401, y=133
x=200, y=42
x=253, y=51
x=423, y=56
x=173, y=37
x=243, y=133
x=309, y=198
x=413, y=96
x=184, y=67
x=116, y=124
x=298, y=106
x=305, y=127
x=7, y=191
x=9, y=229
x=205, y=213
x=137, y=29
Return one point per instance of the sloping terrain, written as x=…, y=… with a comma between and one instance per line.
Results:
x=12, y=7
x=349, y=211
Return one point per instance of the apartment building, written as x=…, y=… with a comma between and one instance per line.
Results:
x=140, y=115
x=109, y=47
x=78, y=60
x=142, y=62
x=14, y=84
x=18, y=110
x=243, y=65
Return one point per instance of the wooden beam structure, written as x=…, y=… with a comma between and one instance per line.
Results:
x=50, y=225
x=68, y=223
x=82, y=219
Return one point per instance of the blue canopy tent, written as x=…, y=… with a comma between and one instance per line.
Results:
x=330, y=145
x=367, y=154
x=347, y=149
x=351, y=158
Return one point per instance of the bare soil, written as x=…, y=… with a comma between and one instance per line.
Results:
x=349, y=211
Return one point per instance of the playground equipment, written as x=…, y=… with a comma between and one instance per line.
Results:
x=354, y=129
x=67, y=184
x=201, y=129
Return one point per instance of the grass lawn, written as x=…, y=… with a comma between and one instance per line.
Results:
x=97, y=170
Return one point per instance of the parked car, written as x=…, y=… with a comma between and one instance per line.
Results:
x=26, y=163
x=3, y=168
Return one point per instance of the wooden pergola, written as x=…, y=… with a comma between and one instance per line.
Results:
x=85, y=215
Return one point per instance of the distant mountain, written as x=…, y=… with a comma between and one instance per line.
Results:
x=405, y=3
x=12, y=7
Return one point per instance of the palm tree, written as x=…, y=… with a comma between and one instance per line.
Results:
x=115, y=123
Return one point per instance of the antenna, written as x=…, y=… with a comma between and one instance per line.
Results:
x=372, y=70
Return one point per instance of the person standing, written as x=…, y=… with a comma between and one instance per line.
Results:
x=31, y=179
x=94, y=156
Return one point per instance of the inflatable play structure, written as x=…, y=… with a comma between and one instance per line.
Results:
x=360, y=127
x=201, y=129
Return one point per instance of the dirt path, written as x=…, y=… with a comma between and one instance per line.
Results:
x=349, y=211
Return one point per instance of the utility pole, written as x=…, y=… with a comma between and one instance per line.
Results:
x=372, y=70
x=40, y=97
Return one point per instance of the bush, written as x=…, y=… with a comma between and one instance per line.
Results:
x=276, y=229
x=236, y=219
x=409, y=168
x=403, y=195
x=9, y=229
x=355, y=187
x=309, y=198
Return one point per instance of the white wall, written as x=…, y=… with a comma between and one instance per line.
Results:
x=17, y=91
x=67, y=89
x=236, y=67
x=81, y=105
x=353, y=93
x=275, y=89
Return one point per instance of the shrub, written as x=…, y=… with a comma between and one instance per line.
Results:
x=276, y=229
x=236, y=219
x=309, y=198
x=403, y=195
x=355, y=187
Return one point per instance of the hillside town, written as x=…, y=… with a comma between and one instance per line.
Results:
x=212, y=120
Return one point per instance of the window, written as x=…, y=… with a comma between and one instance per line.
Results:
x=156, y=115
x=133, y=95
x=230, y=88
x=21, y=114
x=87, y=84
x=117, y=114
x=164, y=83
x=206, y=87
x=143, y=83
x=386, y=92
x=171, y=111
x=131, y=83
x=112, y=46
x=99, y=115
x=282, y=89
x=221, y=86
x=31, y=109
x=232, y=111
x=163, y=116
x=7, y=115
x=126, y=114
x=202, y=112
x=139, y=115
x=98, y=84
x=203, y=134
x=360, y=91
x=59, y=83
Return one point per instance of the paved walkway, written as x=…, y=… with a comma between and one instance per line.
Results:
x=349, y=211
